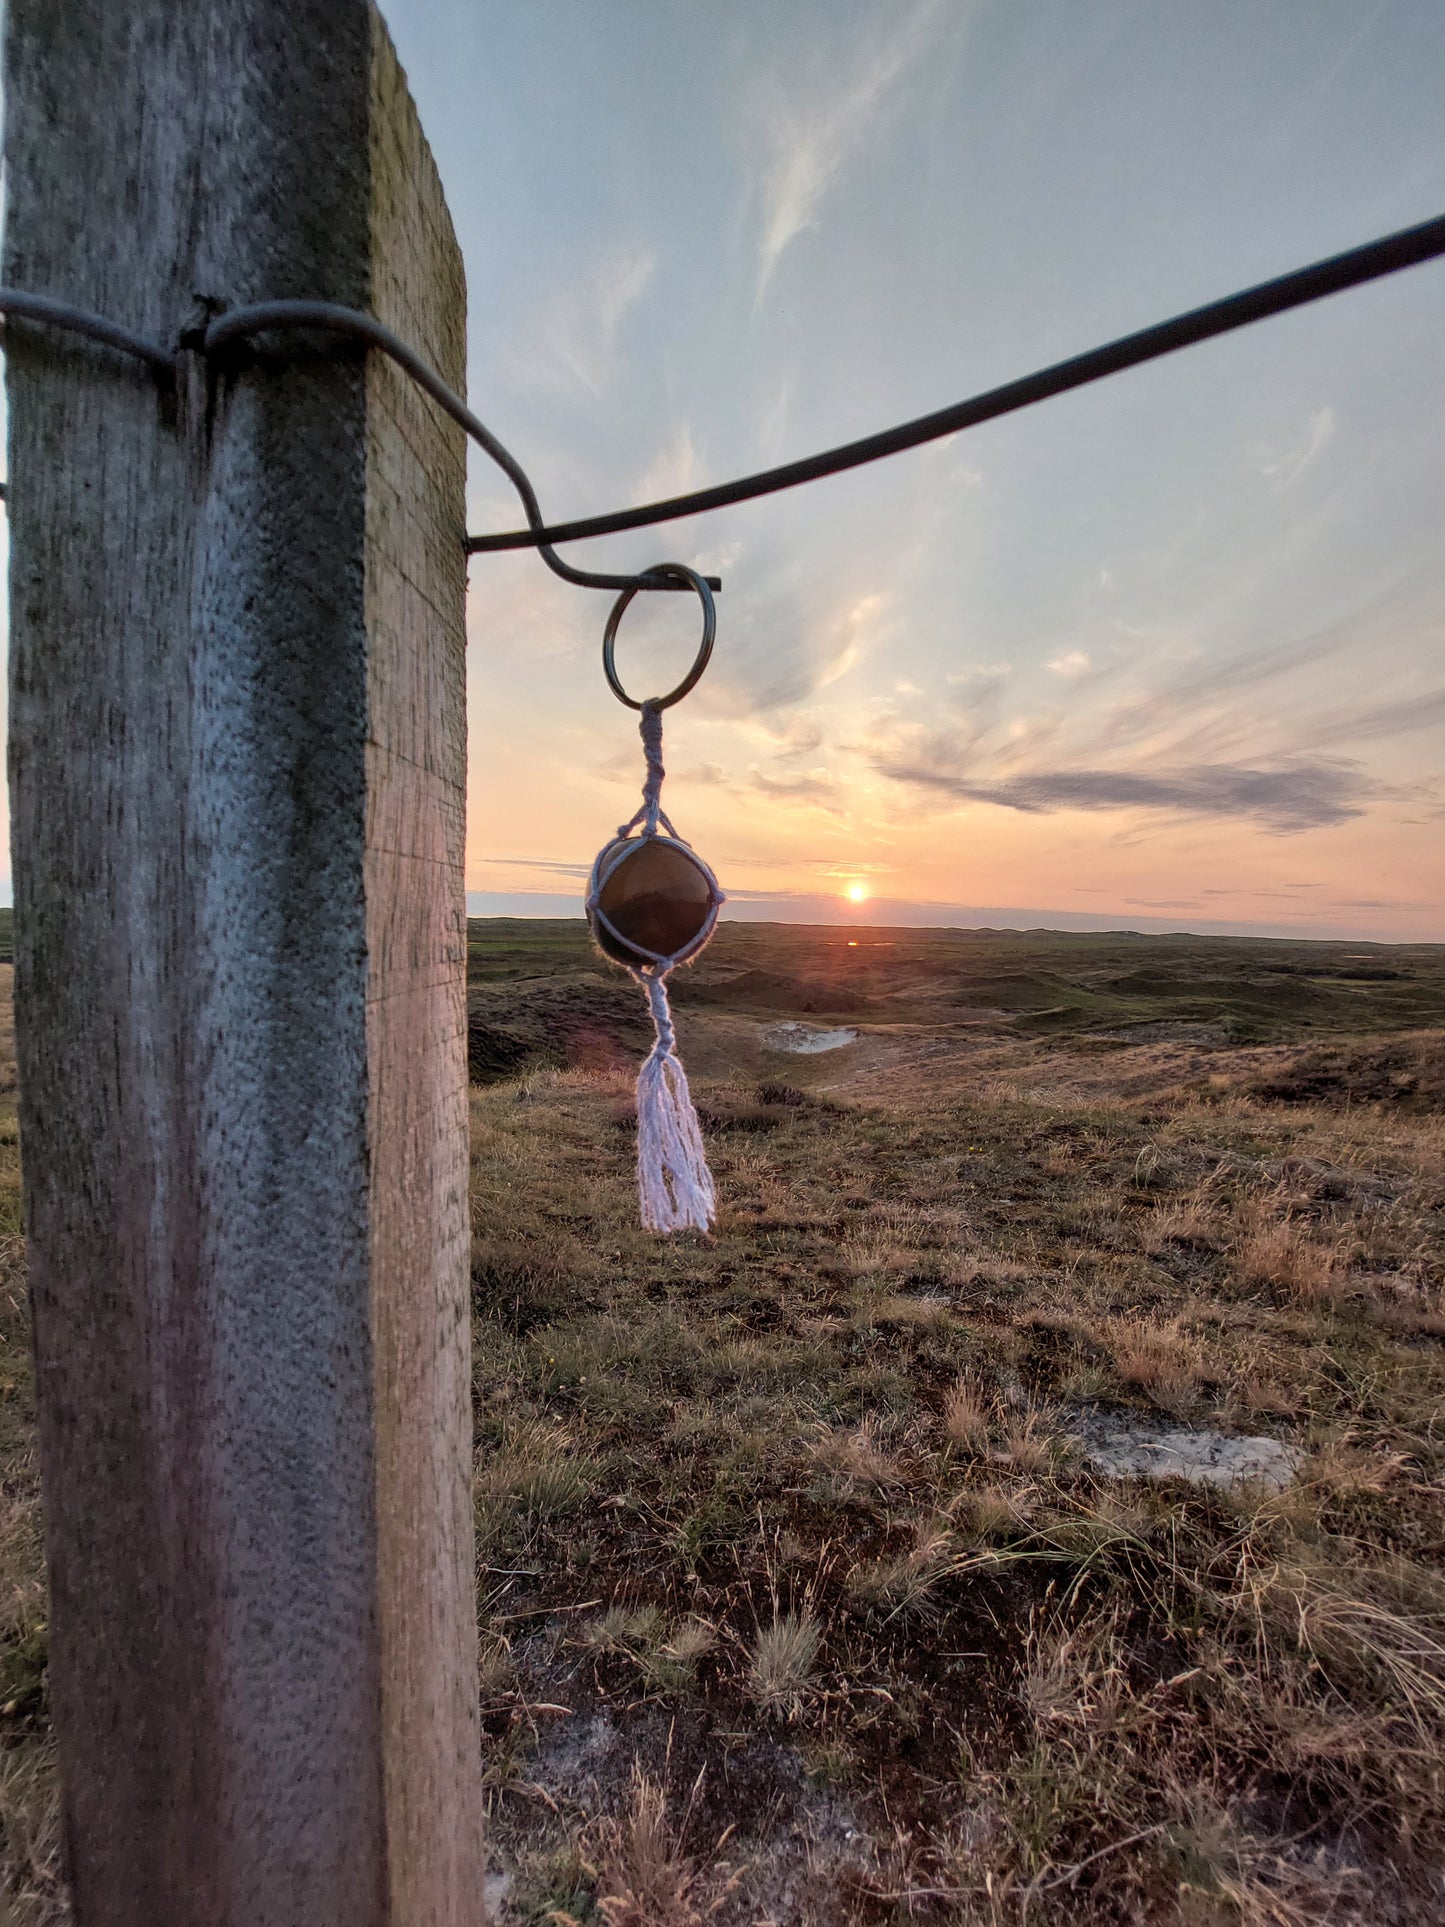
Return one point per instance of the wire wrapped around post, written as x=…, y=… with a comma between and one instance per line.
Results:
x=652, y=904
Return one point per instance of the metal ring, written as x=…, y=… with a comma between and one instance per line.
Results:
x=679, y=572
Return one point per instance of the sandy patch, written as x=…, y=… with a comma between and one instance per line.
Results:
x=1124, y=1446
x=806, y=1040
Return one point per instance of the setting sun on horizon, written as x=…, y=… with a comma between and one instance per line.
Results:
x=857, y=893
x=1163, y=655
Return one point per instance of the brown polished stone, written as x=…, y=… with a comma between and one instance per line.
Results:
x=657, y=898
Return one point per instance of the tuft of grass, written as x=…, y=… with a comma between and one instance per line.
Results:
x=534, y=1475
x=1029, y=1441
x=623, y=1629
x=994, y=1512
x=496, y=1669
x=1277, y=1252
x=780, y=1666
x=829, y=1760
x=1226, y=1870
x=856, y=1459
x=965, y=1418
x=645, y=1878
x=1188, y=1222
x=907, y=1582
x=671, y=1664
x=667, y=1658
x=1075, y=1676
x=1161, y=1358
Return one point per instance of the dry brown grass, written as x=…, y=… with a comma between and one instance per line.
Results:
x=30, y=1837
x=906, y=1581
x=1029, y=1440
x=645, y=1879
x=1275, y=1251
x=1085, y=1695
x=797, y=1604
x=1162, y=1358
x=966, y=1417
x=856, y=1459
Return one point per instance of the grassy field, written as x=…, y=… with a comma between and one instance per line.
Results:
x=801, y=1599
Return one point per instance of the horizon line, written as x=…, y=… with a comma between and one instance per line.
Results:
x=805, y=910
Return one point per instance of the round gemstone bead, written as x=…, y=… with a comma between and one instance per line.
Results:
x=657, y=898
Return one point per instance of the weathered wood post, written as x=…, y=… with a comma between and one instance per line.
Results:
x=237, y=770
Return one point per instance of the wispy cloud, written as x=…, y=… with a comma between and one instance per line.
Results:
x=1187, y=639
x=540, y=863
x=855, y=632
x=792, y=645
x=1282, y=467
x=1362, y=723
x=675, y=469
x=977, y=676
x=572, y=341
x=814, y=787
x=1074, y=663
x=1301, y=796
x=773, y=429
x=796, y=734
x=812, y=140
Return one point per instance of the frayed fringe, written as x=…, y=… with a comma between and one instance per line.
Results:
x=673, y=1179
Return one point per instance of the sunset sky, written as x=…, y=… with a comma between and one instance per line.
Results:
x=1166, y=654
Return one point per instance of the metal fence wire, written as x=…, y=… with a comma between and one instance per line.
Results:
x=1405, y=248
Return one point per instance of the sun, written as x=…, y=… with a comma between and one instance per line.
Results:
x=857, y=893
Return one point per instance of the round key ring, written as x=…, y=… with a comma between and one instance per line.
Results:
x=677, y=572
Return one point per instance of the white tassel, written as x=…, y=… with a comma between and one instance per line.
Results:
x=673, y=1179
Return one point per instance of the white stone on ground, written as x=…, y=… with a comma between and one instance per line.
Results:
x=806, y=1040
x=1124, y=1446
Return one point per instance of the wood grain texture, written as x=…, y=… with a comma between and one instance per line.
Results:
x=417, y=1028
x=237, y=768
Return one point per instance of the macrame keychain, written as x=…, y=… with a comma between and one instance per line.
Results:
x=652, y=903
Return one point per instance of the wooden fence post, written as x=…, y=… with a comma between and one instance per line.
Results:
x=237, y=772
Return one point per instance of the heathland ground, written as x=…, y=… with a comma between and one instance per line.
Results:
x=802, y=1599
